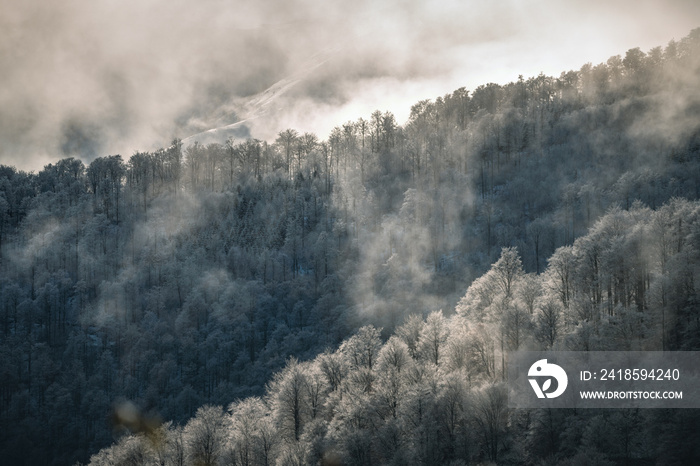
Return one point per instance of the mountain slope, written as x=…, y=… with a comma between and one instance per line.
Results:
x=188, y=275
x=433, y=392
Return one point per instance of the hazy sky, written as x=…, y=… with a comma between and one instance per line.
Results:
x=100, y=77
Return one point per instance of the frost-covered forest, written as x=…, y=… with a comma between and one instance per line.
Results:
x=352, y=301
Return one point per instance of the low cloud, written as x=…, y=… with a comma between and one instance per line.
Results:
x=94, y=78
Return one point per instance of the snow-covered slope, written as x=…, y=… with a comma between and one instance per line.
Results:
x=245, y=117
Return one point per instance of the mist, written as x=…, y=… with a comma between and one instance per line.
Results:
x=88, y=79
x=190, y=276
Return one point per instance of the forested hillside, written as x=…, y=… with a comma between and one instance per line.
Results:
x=433, y=393
x=191, y=277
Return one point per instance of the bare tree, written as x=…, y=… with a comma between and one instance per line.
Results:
x=547, y=324
x=288, y=400
x=491, y=416
x=205, y=435
x=433, y=337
